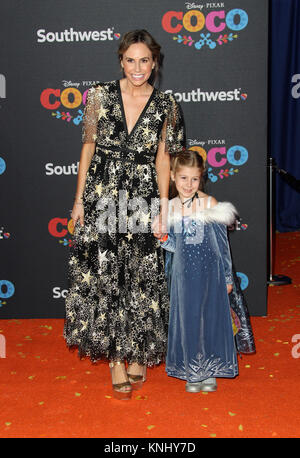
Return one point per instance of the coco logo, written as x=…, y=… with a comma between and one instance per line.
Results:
x=243, y=279
x=180, y=24
x=61, y=228
x=227, y=159
x=69, y=98
x=7, y=290
x=2, y=166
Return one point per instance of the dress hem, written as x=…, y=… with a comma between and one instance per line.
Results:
x=105, y=357
x=200, y=379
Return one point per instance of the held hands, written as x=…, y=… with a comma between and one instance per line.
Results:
x=78, y=213
x=159, y=227
x=160, y=222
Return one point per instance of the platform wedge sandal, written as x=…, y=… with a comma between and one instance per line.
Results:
x=123, y=390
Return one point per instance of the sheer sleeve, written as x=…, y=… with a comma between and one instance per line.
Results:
x=90, y=118
x=173, y=132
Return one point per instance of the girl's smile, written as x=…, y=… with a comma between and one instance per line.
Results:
x=187, y=181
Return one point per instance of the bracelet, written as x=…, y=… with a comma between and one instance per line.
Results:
x=78, y=198
x=164, y=238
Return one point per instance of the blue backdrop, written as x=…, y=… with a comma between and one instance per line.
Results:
x=285, y=107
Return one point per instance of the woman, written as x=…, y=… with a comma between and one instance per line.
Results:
x=117, y=306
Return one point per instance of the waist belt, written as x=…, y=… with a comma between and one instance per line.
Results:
x=119, y=153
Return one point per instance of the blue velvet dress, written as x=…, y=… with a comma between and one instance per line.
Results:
x=201, y=341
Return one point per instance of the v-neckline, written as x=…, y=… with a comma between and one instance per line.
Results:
x=123, y=110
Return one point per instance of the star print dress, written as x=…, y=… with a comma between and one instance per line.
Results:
x=117, y=306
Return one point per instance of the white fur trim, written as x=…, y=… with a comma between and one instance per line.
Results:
x=222, y=213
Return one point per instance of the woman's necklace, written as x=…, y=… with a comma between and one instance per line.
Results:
x=190, y=200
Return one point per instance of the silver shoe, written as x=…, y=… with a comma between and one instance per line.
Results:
x=209, y=384
x=193, y=387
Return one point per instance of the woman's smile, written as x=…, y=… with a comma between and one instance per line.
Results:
x=137, y=77
x=137, y=63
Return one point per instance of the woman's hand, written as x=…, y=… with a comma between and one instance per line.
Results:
x=87, y=153
x=78, y=213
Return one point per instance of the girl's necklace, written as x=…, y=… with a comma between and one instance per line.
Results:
x=190, y=200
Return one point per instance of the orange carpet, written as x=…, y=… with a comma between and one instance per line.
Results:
x=47, y=392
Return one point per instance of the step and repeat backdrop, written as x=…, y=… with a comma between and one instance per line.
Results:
x=215, y=64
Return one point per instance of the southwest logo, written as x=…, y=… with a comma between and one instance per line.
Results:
x=4, y=234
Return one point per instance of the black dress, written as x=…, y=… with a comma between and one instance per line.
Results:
x=118, y=306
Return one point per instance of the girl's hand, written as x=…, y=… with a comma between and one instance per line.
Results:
x=78, y=213
x=229, y=288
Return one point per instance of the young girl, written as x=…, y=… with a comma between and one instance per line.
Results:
x=201, y=344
